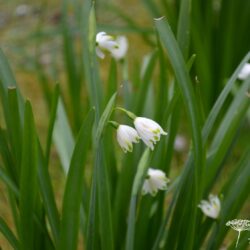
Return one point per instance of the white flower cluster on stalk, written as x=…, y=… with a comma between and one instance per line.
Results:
x=150, y=132
x=117, y=47
x=146, y=129
x=211, y=208
x=239, y=226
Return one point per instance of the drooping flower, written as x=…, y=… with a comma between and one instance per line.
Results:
x=239, y=226
x=245, y=72
x=104, y=42
x=119, y=52
x=211, y=208
x=149, y=131
x=126, y=136
x=155, y=180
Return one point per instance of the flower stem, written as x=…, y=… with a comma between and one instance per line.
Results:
x=131, y=115
x=114, y=124
x=238, y=239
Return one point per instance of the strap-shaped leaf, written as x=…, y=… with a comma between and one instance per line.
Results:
x=5, y=230
x=28, y=181
x=74, y=187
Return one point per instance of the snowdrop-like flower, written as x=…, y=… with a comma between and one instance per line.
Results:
x=180, y=143
x=155, y=180
x=120, y=51
x=245, y=72
x=149, y=131
x=126, y=135
x=212, y=207
x=239, y=226
x=104, y=42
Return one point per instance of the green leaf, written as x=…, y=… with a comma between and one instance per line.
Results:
x=213, y=114
x=63, y=137
x=9, y=183
x=47, y=194
x=147, y=72
x=7, y=80
x=28, y=181
x=183, y=29
x=138, y=181
x=70, y=59
x=104, y=118
x=90, y=63
x=236, y=192
x=226, y=132
x=74, y=185
x=14, y=126
x=195, y=170
x=185, y=86
x=52, y=120
x=9, y=235
x=100, y=183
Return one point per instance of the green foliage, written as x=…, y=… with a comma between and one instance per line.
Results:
x=183, y=83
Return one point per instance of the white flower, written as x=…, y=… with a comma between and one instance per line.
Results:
x=212, y=207
x=149, y=131
x=104, y=42
x=126, y=135
x=239, y=225
x=245, y=72
x=180, y=143
x=119, y=52
x=155, y=180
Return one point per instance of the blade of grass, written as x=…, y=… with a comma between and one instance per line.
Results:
x=99, y=182
x=74, y=84
x=54, y=104
x=9, y=235
x=137, y=185
x=14, y=126
x=226, y=132
x=92, y=78
x=221, y=99
x=28, y=181
x=74, y=185
x=147, y=71
x=9, y=183
x=236, y=192
x=62, y=136
x=186, y=89
x=7, y=80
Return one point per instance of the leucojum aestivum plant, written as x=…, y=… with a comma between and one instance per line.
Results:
x=151, y=154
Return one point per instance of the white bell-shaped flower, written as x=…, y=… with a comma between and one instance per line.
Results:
x=149, y=131
x=120, y=51
x=104, y=42
x=211, y=208
x=245, y=72
x=126, y=136
x=155, y=180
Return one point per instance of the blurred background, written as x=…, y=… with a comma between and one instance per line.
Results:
x=43, y=43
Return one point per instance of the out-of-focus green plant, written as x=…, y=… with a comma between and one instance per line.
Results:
x=108, y=209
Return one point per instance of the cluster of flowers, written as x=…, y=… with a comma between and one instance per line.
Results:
x=239, y=226
x=146, y=129
x=150, y=132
